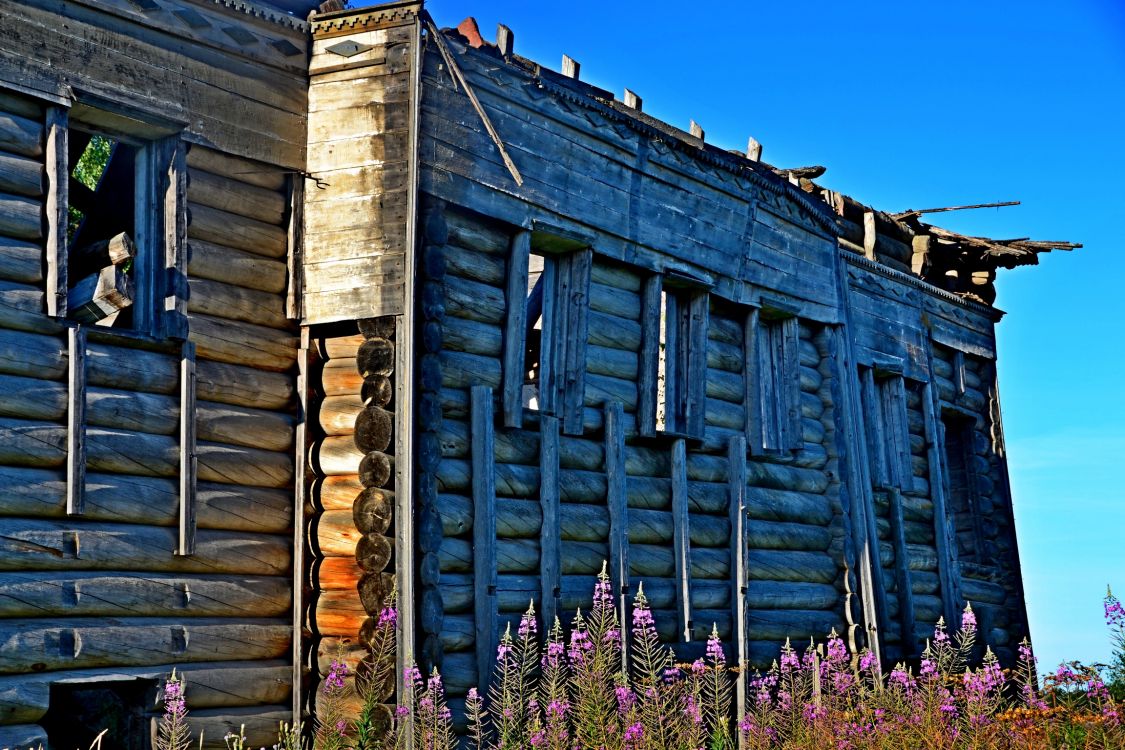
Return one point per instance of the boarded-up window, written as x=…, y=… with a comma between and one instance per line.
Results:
x=961, y=503
x=545, y=332
x=673, y=375
x=773, y=381
x=888, y=434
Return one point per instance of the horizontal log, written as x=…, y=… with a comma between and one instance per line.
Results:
x=243, y=386
x=796, y=624
x=339, y=379
x=38, y=544
x=614, y=332
x=20, y=175
x=468, y=232
x=20, y=217
x=986, y=592
x=375, y=356
x=85, y=643
x=22, y=736
x=617, y=276
x=145, y=500
x=338, y=613
x=374, y=429
x=21, y=135
x=258, y=725
x=472, y=337
x=375, y=469
x=340, y=347
x=373, y=552
x=794, y=566
x=918, y=533
x=787, y=536
x=460, y=370
x=473, y=300
x=924, y=582
x=335, y=574
x=474, y=265
x=230, y=302
x=244, y=199
x=244, y=170
x=21, y=261
x=336, y=492
x=336, y=455
x=242, y=233
x=237, y=267
x=614, y=363
x=374, y=589
x=373, y=510
x=334, y=534
x=240, y=343
x=785, y=595
x=21, y=297
x=620, y=303
x=42, y=594
x=921, y=557
x=927, y=608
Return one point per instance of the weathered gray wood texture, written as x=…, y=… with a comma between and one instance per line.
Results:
x=361, y=112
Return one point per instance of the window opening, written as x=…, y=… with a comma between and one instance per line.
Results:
x=773, y=342
x=962, y=504
x=534, y=334
x=681, y=361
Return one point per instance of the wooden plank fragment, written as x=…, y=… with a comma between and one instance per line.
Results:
x=694, y=389
x=577, y=312
x=188, y=457
x=301, y=501
x=58, y=180
x=650, y=354
x=550, y=539
x=484, y=531
x=617, y=501
x=515, y=326
x=681, y=542
x=76, y=421
x=752, y=377
x=173, y=321
x=739, y=580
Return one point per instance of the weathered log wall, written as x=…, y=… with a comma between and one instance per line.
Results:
x=113, y=554
x=349, y=531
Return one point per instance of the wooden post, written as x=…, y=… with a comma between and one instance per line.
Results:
x=550, y=543
x=949, y=573
x=681, y=541
x=579, y=264
x=633, y=101
x=869, y=234
x=570, y=67
x=300, y=500
x=694, y=389
x=294, y=310
x=187, y=450
x=617, y=500
x=484, y=532
x=697, y=130
x=902, y=573
x=736, y=461
x=58, y=184
x=515, y=327
x=752, y=376
x=650, y=354
x=505, y=40
x=173, y=321
x=753, y=149
x=789, y=385
x=76, y=421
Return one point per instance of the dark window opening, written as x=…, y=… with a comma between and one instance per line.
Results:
x=681, y=372
x=79, y=711
x=773, y=345
x=961, y=504
x=102, y=266
x=533, y=339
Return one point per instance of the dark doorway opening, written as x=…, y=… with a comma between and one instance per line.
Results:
x=79, y=711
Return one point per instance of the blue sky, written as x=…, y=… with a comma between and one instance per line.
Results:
x=911, y=105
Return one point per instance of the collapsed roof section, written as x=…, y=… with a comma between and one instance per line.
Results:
x=961, y=264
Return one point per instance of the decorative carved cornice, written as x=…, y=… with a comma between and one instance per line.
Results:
x=365, y=19
x=991, y=313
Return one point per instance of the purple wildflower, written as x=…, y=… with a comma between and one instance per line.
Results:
x=968, y=619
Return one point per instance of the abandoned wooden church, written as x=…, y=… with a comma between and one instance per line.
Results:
x=297, y=312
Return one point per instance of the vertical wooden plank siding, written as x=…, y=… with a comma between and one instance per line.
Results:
x=515, y=329
x=681, y=542
x=873, y=428
x=902, y=572
x=578, y=308
x=404, y=480
x=674, y=371
x=898, y=432
x=58, y=176
x=789, y=385
x=76, y=420
x=695, y=387
x=484, y=530
x=617, y=501
x=300, y=498
x=948, y=573
x=188, y=459
x=650, y=355
x=294, y=310
x=845, y=393
x=173, y=323
x=554, y=284
x=752, y=376
x=736, y=460
x=550, y=541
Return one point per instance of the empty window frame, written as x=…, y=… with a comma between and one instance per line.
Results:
x=672, y=398
x=962, y=504
x=773, y=381
x=544, y=365
x=888, y=432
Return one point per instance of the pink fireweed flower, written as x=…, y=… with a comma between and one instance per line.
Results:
x=336, y=674
x=643, y=624
x=388, y=617
x=580, y=646
x=715, y=649
x=867, y=661
x=1114, y=612
x=692, y=710
x=174, y=698
x=698, y=667
x=837, y=651
x=503, y=651
x=626, y=699
x=968, y=619
x=603, y=593
x=790, y=662
x=527, y=626
x=557, y=709
x=634, y=732
x=412, y=676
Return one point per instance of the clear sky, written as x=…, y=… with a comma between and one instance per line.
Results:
x=912, y=105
